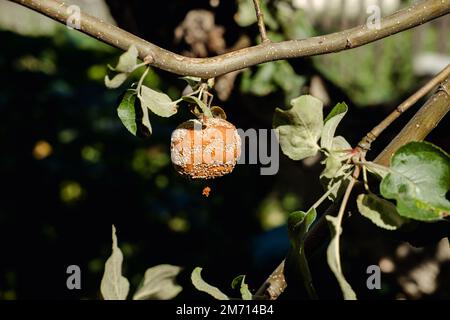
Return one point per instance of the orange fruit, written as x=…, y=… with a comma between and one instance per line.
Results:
x=205, y=148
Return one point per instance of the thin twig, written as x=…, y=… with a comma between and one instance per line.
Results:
x=341, y=212
x=407, y=18
x=421, y=124
x=373, y=134
x=260, y=19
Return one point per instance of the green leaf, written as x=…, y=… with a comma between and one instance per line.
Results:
x=331, y=122
x=340, y=144
x=114, y=286
x=332, y=166
x=376, y=169
x=194, y=100
x=193, y=82
x=159, y=283
x=127, y=112
x=239, y=282
x=338, y=182
x=261, y=82
x=128, y=60
x=338, y=152
x=201, y=285
x=146, y=119
x=380, y=211
x=334, y=259
x=158, y=102
x=418, y=179
x=299, y=223
x=116, y=81
x=299, y=128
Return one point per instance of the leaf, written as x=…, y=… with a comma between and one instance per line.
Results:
x=201, y=285
x=116, y=81
x=331, y=122
x=128, y=60
x=418, y=179
x=239, y=282
x=127, y=112
x=380, y=211
x=218, y=112
x=158, y=102
x=146, y=119
x=334, y=259
x=332, y=166
x=338, y=182
x=299, y=223
x=159, y=283
x=194, y=100
x=339, y=151
x=340, y=144
x=298, y=129
x=193, y=82
x=114, y=286
x=376, y=169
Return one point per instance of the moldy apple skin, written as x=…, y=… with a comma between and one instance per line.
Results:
x=205, y=148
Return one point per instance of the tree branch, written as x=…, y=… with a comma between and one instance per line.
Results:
x=420, y=125
x=260, y=19
x=407, y=18
x=373, y=134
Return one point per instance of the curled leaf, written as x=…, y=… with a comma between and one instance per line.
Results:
x=116, y=81
x=331, y=122
x=334, y=259
x=201, y=285
x=299, y=128
x=380, y=211
x=128, y=60
x=239, y=282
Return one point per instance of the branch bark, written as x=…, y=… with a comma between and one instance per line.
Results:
x=260, y=20
x=420, y=125
x=407, y=18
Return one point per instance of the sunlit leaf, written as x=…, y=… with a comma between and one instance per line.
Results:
x=239, y=282
x=193, y=82
x=201, y=285
x=146, y=119
x=338, y=182
x=380, y=211
x=158, y=102
x=331, y=122
x=419, y=179
x=332, y=166
x=376, y=169
x=128, y=60
x=159, y=283
x=114, y=285
x=116, y=81
x=299, y=128
x=334, y=259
